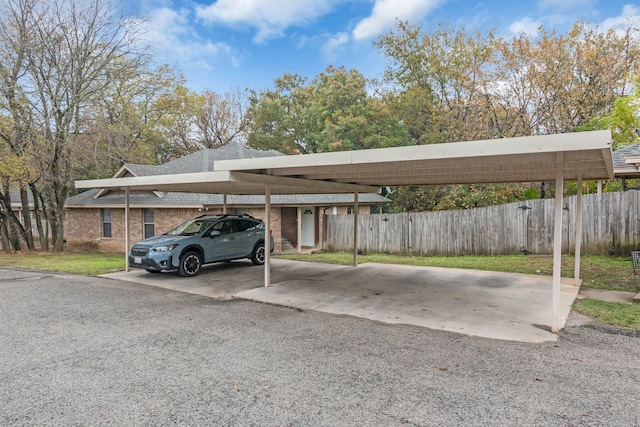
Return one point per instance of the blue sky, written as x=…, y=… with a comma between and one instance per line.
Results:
x=226, y=44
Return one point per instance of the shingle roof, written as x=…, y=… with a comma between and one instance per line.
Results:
x=116, y=198
x=621, y=153
x=202, y=161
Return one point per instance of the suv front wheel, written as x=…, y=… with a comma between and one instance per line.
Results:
x=257, y=257
x=190, y=264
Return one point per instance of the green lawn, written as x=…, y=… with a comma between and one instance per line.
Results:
x=597, y=272
x=76, y=263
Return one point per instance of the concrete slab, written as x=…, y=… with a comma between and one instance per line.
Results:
x=222, y=280
x=486, y=304
x=606, y=295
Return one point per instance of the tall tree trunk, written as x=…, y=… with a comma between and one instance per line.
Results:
x=43, y=234
x=26, y=218
x=11, y=229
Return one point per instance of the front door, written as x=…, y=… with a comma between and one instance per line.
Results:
x=308, y=237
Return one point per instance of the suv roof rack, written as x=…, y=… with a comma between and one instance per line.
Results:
x=244, y=215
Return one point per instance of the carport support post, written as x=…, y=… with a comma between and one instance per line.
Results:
x=267, y=236
x=557, y=244
x=224, y=203
x=299, y=230
x=126, y=229
x=576, y=269
x=355, y=229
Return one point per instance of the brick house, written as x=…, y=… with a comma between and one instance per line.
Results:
x=95, y=219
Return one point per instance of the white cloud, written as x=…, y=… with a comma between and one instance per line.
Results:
x=171, y=34
x=385, y=13
x=269, y=17
x=525, y=25
x=564, y=5
x=629, y=17
x=334, y=43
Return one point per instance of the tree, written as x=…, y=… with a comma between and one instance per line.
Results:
x=17, y=122
x=72, y=49
x=177, y=123
x=448, y=85
x=341, y=116
x=129, y=124
x=623, y=119
x=436, y=81
x=276, y=117
x=332, y=113
x=223, y=118
x=557, y=83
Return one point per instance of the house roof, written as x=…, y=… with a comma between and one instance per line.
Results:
x=626, y=161
x=200, y=162
x=180, y=199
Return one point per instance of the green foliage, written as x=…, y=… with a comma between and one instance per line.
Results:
x=332, y=113
x=276, y=116
x=341, y=116
x=451, y=197
x=623, y=119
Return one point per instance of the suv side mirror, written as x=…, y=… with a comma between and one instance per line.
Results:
x=214, y=233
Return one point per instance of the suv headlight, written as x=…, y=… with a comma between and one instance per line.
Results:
x=165, y=248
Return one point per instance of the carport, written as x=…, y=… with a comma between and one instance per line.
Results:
x=559, y=158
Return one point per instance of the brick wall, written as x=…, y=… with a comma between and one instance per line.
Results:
x=83, y=226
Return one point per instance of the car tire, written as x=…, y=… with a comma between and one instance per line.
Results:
x=148, y=270
x=190, y=264
x=258, y=254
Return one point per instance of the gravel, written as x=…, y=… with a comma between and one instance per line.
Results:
x=77, y=350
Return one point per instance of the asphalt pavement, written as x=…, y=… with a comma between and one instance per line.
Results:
x=78, y=350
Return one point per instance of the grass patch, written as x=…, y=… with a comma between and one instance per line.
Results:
x=597, y=271
x=620, y=314
x=76, y=263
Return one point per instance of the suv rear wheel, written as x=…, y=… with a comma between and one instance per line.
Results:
x=190, y=263
x=257, y=257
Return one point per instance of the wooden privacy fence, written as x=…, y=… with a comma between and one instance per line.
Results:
x=611, y=225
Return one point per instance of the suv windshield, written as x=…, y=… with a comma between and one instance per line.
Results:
x=189, y=228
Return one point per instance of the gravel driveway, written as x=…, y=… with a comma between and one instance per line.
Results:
x=80, y=350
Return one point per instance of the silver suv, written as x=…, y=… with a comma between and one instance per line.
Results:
x=199, y=241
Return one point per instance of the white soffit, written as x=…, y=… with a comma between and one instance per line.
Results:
x=228, y=182
x=522, y=159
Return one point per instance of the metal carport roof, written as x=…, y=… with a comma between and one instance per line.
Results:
x=571, y=156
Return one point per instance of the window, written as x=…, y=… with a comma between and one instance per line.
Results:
x=106, y=222
x=147, y=223
x=245, y=224
x=223, y=226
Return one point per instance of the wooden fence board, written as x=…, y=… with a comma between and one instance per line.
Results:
x=611, y=225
